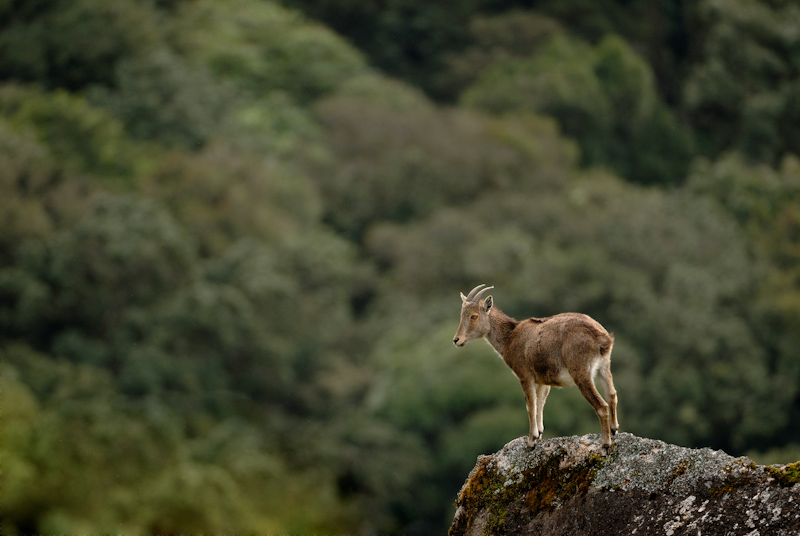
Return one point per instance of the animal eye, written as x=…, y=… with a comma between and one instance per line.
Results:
x=474, y=317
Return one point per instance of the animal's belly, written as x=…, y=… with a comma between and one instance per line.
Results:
x=560, y=378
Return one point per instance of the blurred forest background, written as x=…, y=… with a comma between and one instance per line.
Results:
x=233, y=234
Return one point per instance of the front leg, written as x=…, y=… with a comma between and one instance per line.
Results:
x=541, y=397
x=529, y=389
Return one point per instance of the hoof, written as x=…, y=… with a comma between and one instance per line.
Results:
x=532, y=442
x=605, y=450
x=613, y=431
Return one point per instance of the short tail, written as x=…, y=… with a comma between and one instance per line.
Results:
x=606, y=344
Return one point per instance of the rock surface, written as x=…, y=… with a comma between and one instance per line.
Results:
x=564, y=487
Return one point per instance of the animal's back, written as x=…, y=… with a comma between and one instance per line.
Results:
x=556, y=346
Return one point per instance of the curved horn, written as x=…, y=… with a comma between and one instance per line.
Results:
x=480, y=292
x=475, y=293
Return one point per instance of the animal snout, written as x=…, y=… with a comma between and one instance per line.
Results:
x=456, y=341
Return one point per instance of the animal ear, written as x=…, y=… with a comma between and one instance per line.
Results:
x=463, y=298
x=487, y=303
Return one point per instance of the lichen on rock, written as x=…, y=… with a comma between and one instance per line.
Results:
x=565, y=487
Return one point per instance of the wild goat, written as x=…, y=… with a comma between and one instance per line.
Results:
x=561, y=350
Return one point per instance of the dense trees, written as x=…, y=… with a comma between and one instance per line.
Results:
x=231, y=247
x=604, y=97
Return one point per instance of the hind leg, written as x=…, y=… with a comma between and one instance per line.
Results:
x=611, y=395
x=589, y=392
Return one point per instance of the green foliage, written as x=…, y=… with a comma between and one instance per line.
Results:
x=788, y=454
x=26, y=177
x=742, y=93
x=231, y=249
x=161, y=97
x=261, y=47
x=84, y=460
x=560, y=80
x=277, y=126
x=762, y=199
x=658, y=265
x=384, y=92
x=496, y=38
x=73, y=43
x=398, y=164
x=604, y=97
x=422, y=386
x=124, y=252
x=223, y=194
x=82, y=138
x=405, y=38
x=765, y=201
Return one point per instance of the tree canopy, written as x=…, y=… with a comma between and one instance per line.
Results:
x=233, y=234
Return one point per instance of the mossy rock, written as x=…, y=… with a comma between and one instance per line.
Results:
x=565, y=487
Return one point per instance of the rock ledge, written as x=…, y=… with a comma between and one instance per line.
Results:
x=645, y=486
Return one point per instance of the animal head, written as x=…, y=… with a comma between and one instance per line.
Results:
x=474, y=316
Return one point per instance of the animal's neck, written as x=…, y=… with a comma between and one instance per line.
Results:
x=501, y=327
